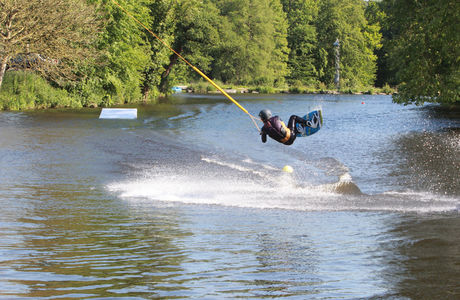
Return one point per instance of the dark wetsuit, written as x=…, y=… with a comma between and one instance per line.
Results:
x=277, y=130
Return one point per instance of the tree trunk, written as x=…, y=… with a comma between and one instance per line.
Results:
x=164, y=77
x=3, y=69
x=145, y=92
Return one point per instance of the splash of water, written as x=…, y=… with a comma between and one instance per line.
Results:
x=267, y=187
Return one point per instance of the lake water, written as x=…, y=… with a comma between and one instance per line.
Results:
x=187, y=202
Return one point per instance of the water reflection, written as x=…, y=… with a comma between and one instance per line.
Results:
x=62, y=235
x=425, y=257
x=86, y=247
x=289, y=264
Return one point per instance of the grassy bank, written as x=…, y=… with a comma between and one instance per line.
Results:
x=27, y=91
x=24, y=90
x=202, y=87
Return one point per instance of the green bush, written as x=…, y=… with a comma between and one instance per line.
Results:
x=265, y=89
x=370, y=91
x=199, y=87
x=210, y=88
x=322, y=87
x=387, y=89
x=296, y=87
x=295, y=90
x=25, y=90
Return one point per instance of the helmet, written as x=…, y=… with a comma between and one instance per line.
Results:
x=265, y=114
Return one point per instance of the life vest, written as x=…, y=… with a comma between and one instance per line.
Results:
x=275, y=127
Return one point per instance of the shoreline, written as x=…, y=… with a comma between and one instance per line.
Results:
x=451, y=107
x=241, y=90
x=159, y=99
x=22, y=91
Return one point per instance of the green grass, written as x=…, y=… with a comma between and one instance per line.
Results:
x=24, y=90
x=204, y=87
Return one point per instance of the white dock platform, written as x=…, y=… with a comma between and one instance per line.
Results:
x=118, y=113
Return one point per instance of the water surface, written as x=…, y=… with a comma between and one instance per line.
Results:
x=186, y=202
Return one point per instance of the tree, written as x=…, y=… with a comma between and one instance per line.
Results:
x=163, y=23
x=194, y=35
x=280, y=53
x=253, y=48
x=345, y=20
x=302, y=39
x=126, y=53
x=424, y=50
x=48, y=35
x=375, y=15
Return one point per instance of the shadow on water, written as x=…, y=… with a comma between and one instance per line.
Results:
x=424, y=260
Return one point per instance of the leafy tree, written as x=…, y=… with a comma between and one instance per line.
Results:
x=194, y=34
x=345, y=20
x=280, y=53
x=230, y=52
x=48, y=35
x=253, y=48
x=376, y=15
x=302, y=39
x=424, y=50
x=163, y=24
x=127, y=52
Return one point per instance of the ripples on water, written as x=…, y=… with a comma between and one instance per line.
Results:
x=185, y=204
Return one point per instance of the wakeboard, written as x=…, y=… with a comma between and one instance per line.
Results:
x=314, y=123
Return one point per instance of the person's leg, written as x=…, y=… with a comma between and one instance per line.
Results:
x=291, y=126
x=293, y=120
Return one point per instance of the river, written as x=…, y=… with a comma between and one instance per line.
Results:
x=187, y=202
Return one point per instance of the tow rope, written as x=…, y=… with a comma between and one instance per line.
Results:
x=253, y=118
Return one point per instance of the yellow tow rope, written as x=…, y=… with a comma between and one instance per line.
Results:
x=192, y=66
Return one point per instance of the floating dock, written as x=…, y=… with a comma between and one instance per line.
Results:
x=118, y=113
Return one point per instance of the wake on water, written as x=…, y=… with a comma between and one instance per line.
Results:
x=249, y=184
x=323, y=184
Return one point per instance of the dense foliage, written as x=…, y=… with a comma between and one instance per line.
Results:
x=302, y=40
x=49, y=36
x=344, y=20
x=412, y=45
x=423, y=49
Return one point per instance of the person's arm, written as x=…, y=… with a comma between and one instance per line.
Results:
x=263, y=136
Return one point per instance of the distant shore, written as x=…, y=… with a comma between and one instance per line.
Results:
x=27, y=91
x=204, y=88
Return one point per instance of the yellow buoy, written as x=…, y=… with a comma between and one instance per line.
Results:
x=288, y=169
